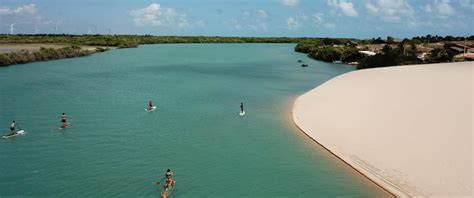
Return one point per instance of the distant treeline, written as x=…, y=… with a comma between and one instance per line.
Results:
x=434, y=39
x=26, y=56
x=393, y=53
x=127, y=41
x=326, y=49
x=119, y=41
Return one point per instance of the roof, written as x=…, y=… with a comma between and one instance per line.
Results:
x=457, y=49
x=369, y=53
x=469, y=55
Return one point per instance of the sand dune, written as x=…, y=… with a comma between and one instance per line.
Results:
x=407, y=128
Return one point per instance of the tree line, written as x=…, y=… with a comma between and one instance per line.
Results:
x=43, y=54
x=393, y=53
x=127, y=41
x=325, y=49
x=105, y=41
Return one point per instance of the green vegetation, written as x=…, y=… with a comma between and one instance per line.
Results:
x=118, y=41
x=439, y=55
x=325, y=49
x=43, y=54
x=127, y=41
x=329, y=49
x=390, y=51
x=389, y=57
x=434, y=39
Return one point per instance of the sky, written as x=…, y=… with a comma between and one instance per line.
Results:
x=261, y=18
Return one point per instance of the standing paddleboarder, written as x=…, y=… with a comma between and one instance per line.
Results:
x=12, y=128
x=63, y=120
x=168, y=173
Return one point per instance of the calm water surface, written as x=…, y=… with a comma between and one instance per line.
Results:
x=114, y=148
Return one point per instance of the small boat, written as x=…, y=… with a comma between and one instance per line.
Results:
x=353, y=63
x=304, y=65
x=165, y=193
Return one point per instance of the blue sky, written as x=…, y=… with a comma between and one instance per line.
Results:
x=293, y=18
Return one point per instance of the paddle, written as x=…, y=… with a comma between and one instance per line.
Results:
x=158, y=182
x=19, y=129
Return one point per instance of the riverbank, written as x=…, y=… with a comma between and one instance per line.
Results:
x=18, y=47
x=380, y=53
x=406, y=128
x=11, y=54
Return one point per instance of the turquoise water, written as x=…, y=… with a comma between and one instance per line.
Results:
x=114, y=148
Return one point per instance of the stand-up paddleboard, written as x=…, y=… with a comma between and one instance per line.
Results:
x=242, y=113
x=20, y=132
x=165, y=193
x=65, y=125
x=150, y=110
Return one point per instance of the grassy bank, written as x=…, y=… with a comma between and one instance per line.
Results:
x=44, y=54
x=390, y=52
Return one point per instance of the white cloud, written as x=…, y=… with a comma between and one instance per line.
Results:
x=392, y=10
x=371, y=8
x=201, y=23
x=346, y=7
x=290, y=2
x=155, y=15
x=182, y=21
x=319, y=21
x=22, y=10
x=292, y=24
x=441, y=8
x=428, y=8
x=253, y=20
x=262, y=14
x=318, y=18
x=25, y=18
x=5, y=10
x=466, y=4
x=29, y=9
x=329, y=25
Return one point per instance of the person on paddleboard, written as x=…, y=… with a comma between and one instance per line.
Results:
x=241, y=107
x=168, y=183
x=168, y=173
x=63, y=120
x=150, y=105
x=12, y=128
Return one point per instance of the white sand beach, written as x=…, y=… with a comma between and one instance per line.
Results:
x=407, y=128
x=16, y=47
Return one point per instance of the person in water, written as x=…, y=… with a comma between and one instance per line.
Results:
x=168, y=174
x=12, y=128
x=242, y=107
x=168, y=183
x=150, y=105
x=63, y=120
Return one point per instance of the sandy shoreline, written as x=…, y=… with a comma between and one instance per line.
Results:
x=16, y=47
x=321, y=148
x=409, y=129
